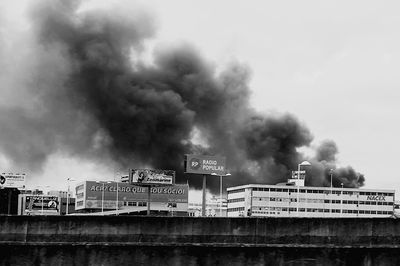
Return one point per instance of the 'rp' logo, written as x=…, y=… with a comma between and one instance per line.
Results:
x=194, y=163
x=2, y=179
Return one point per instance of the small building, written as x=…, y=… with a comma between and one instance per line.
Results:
x=214, y=208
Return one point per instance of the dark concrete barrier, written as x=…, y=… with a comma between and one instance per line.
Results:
x=79, y=240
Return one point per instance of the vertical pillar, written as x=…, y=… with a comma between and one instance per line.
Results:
x=9, y=201
x=148, y=199
x=203, y=206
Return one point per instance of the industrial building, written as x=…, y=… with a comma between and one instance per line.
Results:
x=103, y=196
x=293, y=199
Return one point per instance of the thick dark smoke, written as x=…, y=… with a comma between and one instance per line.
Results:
x=88, y=94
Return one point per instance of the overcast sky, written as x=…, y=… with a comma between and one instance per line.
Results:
x=333, y=64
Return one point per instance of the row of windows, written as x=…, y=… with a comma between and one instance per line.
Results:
x=236, y=209
x=275, y=211
x=80, y=187
x=236, y=200
x=79, y=203
x=322, y=210
x=134, y=203
x=80, y=195
x=236, y=191
x=326, y=191
x=316, y=201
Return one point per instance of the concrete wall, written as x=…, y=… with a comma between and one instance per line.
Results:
x=77, y=240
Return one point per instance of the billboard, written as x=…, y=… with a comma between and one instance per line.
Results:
x=152, y=177
x=11, y=180
x=105, y=193
x=202, y=164
x=41, y=204
x=296, y=173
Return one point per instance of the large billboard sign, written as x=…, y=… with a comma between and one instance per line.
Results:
x=295, y=174
x=106, y=194
x=152, y=177
x=41, y=204
x=202, y=164
x=11, y=180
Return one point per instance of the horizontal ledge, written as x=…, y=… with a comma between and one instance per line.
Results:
x=218, y=245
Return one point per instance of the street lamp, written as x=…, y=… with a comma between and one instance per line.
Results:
x=68, y=180
x=43, y=197
x=102, y=195
x=304, y=163
x=116, y=201
x=330, y=201
x=220, y=190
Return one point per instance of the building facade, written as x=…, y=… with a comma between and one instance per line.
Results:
x=92, y=196
x=301, y=201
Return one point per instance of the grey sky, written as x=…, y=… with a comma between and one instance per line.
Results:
x=332, y=64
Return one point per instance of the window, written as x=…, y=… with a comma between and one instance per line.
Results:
x=236, y=191
x=236, y=209
x=236, y=200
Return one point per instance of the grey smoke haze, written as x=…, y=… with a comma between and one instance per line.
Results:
x=86, y=95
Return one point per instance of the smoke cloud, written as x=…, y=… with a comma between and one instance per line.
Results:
x=80, y=90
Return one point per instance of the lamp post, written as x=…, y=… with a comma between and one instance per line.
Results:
x=68, y=180
x=220, y=190
x=116, y=202
x=102, y=195
x=304, y=163
x=43, y=197
x=330, y=196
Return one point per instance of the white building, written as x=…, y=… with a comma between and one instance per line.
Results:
x=296, y=200
x=102, y=196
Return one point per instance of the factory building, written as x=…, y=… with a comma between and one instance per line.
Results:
x=293, y=199
x=99, y=196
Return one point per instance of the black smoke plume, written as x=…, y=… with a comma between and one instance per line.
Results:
x=89, y=94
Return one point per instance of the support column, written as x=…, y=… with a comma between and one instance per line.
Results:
x=148, y=199
x=203, y=206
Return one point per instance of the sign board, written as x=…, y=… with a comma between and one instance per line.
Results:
x=94, y=196
x=41, y=204
x=152, y=177
x=11, y=180
x=202, y=164
x=302, y=174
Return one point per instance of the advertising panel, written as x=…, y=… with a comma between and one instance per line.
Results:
x=11, y=180
x=106, y=194
x=41, y=204
x=201, y=164
x=152, y=177
x=296, y=173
